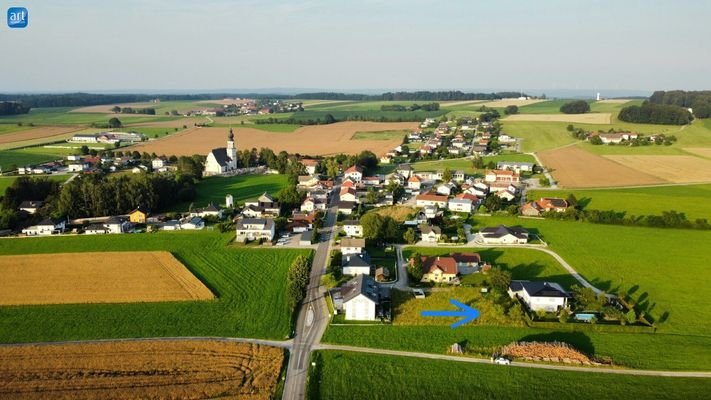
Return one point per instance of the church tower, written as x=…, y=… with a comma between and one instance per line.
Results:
x=231, y=149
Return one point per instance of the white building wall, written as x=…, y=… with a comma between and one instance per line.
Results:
x=360, y=308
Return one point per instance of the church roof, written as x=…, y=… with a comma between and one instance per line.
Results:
x=221, y=156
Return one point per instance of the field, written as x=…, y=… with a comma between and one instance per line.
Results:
x=240, y=278
x=589, y=118
x=19, y=158
x=110, y=277
x=190, y=369
x=63, y=116
x=382, y=135
x=35, y=133
x=466, y=164
x=241, y=187
x=539, y=136
x=6, y=181
x=674, y=169
x=509, y=102
x=689, y=199
x=390, y=377
x=575, y=168
x=312, y=140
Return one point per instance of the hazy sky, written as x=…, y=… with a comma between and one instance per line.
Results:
x=351, y=45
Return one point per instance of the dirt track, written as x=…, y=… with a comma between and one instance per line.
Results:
x=195, y=369
x=311, y=140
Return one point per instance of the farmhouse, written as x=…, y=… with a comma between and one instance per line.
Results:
x=354, y=173
x=504, y=235
x=355, y=264
x=430, y=234
x=517, y=167
x=362, y=298
x=30, y=206
x=352, y=246
x=616, y=138
x=47, y=226
x=431, y=200
x=254, y=229
x=545, y=204
x=139, y=215
x=540, y=296
x=222, y=160
x=439, y=269
x=353, y=228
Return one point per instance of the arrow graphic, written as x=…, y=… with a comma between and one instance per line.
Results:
x=467, y=313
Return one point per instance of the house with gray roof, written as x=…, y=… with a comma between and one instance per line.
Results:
x=540, y=296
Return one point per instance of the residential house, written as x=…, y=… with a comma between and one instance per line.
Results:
x=158, y=163
x=506, y=195
x=78, y=167
x=172, y=225
x=353, y=228
x=404, y=170
x=446, y=189
x=211, y=210
x=355, y=173
x=307, y=181
x=540, y=296
x=111, y=225
x=616, y=138
x=517, y=167
x=372, y=180
x=48, y=226
x=506, y=139
x=192, y=223
x=431, y=200
x=249, y=229
x=467, y=260
x=139, y=215
x=352, y=246
x=545, y=204
x=458, y=176
x=414, y=183
x=363, y=299
x=439, y=269
x=355, y=264
x=504, y=235
x=431, y=212
x=310, y=165
x=462, y=203
x=266, y=204
x=502, y=175
x=346, y=207
x=30, y=206
x=430, y=233
x=349, y=194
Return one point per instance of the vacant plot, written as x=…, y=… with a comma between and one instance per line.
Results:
x=385, y=378
x=113, y=277
x=675, y=169
x=190, y=369
x=313, y=140
x=589, y=118
x=398, y=213
x=36, y=133
x=575, y=168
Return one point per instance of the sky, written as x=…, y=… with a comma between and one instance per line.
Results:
x=174, y=45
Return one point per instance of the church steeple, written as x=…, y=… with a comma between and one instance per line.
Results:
x=231, y=136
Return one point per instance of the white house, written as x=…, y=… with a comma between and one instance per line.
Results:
x=211, y=210
x=517, y=167
x=355, y=264
x=446, y=189
x=77, y=167
x=348, y=194
x=361, y=298
x=504, y=235
x=254, y=229
x=192, y=223
x=353, y=228
x=506, y=195
x=430, y=234
x=545, y=296
x=431, y=200
x=460, y=204
x=47, y=226
x=352, y=246
x=414, y=183
x=30, y=207
x=222, y=160
x=310, y=165
x=404, y=170
x=158, y=163
x=111, y=225
x=355, y=173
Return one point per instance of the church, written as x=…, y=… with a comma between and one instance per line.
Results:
x=222, y=160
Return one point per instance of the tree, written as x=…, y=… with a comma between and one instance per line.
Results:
x=290, y=197
x=391, y=230
x=572, y=201
x=447, y=175
x=570, y=128
x=493, y=203
x=329, y=119
x=500, y=279
x=84, y=150
x=297, y=280
x=368, y=160
x=372, y=226
x=116, y=109
x=575, y=107
x=115, y=123
x=477, y=162
x=410, y=236
x=512, y=109
x=587, y=300
x=371, y=196
x=414, y=267
x=461, y=234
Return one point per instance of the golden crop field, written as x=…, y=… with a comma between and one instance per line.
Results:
x=37, y=133
x=150, y=369
x=108, y=277
x=674, y=169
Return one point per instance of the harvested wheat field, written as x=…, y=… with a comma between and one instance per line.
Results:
x=150, y=369
x=37, y=133
x=573, y=167
x=110, y=277
x=511, y=102
x=675, y=169
x=699, y=151
x=588, y=118
x=312, y=140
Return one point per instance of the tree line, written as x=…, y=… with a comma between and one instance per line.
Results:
x=13, y=108
x=575, y=107
x=131, y=110
x=698, y=101
x=649, y=113
x=414, y=107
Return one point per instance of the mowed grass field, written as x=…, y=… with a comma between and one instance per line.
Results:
x=693, y=200
x=6, y=181
x=390, y=377
x=109, y=277
x=21, y=158
x=241, y=187
x=663, y=270
x=466, y=164
x=150, y=369
x=64, y=116
x=250, y=285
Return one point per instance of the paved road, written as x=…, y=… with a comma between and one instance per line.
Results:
x=602, y=370
x=313, y=317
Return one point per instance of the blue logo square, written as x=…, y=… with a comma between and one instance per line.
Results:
x=17, y=17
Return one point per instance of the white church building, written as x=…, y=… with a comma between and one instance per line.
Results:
x=222, y=160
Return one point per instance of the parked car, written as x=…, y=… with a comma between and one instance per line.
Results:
x=502, y=361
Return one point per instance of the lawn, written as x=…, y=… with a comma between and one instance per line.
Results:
x=6, y=181
x=342, y=375
x=241, y=187
x=538, y=136
x=20, y=158
x=250, y=285
x=693, y=200
x=380, y=135
x=465, y=164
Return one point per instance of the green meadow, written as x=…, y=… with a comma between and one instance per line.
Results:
x=380, y=135
x=6, y=181
x=20, y=158
x=250, y=286
x=466, y=164
x=390, y=377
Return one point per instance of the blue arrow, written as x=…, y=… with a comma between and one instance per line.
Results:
x=468, y=313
